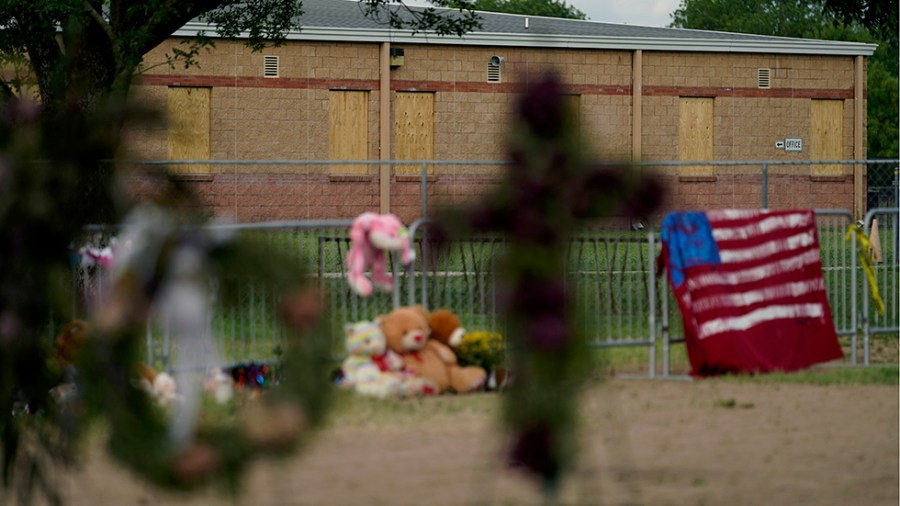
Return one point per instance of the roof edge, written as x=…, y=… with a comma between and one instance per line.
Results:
x=780, y=46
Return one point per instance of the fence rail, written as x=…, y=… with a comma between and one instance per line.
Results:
x=611, y=274
x=267, y=190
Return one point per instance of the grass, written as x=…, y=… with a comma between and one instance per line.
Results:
x=849, y=375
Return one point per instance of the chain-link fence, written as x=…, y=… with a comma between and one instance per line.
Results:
x=266, y=190
x=882, y=227
x=883, y=185
x=247, y=329
x=611, y=276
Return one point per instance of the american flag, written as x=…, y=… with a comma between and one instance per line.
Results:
x=750, y=289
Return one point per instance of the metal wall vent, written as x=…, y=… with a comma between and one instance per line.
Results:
x=270, y=66
x=493, y=72
x=763, y=78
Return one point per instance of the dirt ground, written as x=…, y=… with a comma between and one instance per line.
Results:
x=644, y=443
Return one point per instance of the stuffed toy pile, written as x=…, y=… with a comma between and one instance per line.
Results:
x=424, y=342
x=372, y=237
x=373, y=370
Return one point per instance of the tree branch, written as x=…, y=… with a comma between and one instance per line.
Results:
x=99, y=20
x=166, y=19
x=6, y=92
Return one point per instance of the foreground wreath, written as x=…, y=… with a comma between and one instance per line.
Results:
x=165, y=267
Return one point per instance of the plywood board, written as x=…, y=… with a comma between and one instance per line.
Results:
x=189, y=128
x=695, y=134
x=348, y=130
x=826, y=132
x=413, y=130
x=572, y=105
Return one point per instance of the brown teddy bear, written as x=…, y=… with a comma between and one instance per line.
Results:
x=446, y=327
x=407, y=332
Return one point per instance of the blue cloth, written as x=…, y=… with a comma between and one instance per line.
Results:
x=689, y=240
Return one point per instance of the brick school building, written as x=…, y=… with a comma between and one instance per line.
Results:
x=347, y=87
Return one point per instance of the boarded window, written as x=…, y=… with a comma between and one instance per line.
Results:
x=189, y=128
x=348, y=130
x=826, y=118
x=695, y=135
x=572, y=104
x=413, y=130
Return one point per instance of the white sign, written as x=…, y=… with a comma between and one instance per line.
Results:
x=793, y=144
x=779, y=144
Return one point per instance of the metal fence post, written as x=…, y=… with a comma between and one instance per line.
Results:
x=395, y=288
x=665, y=327
x=424, y=188
x=865, y=319
x=885, y=277
x=854, y=313
x=421, y=259
x=651, y=273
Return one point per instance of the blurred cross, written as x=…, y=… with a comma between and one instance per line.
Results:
x=550, y=189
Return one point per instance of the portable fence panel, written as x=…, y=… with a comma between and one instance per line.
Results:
x=607, y=272
x=344, y=305
x=671, y=326
x=881, y=227
x=249, y=330
x=607, y=275
x=460, y=276
x=610, y=275
x=838, y=265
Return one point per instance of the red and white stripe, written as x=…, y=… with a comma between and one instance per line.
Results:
x=770, y=271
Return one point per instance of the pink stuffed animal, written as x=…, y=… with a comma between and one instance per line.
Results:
x=371, y=236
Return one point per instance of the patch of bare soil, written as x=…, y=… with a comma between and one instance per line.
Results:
x=644, y=442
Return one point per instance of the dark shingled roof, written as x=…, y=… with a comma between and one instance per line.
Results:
x=349, y=14
x=345, y=21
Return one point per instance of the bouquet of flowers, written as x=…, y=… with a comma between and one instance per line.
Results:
x=482, y=348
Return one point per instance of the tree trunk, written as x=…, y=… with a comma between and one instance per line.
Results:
x=83, y=114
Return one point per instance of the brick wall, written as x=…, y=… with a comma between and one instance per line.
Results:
x=785, y=191
x=257, y=118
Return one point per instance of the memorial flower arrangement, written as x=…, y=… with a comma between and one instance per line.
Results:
x=482, y=348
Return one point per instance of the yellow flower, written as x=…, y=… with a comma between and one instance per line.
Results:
x=482, y=348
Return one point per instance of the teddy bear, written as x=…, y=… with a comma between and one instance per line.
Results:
x=372, y=235
x=372, y=369
x=446, y=327
x=407, y=332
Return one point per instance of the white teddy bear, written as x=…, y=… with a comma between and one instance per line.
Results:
x=371, y=369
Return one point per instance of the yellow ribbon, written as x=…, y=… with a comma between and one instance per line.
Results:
x=863, y=246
